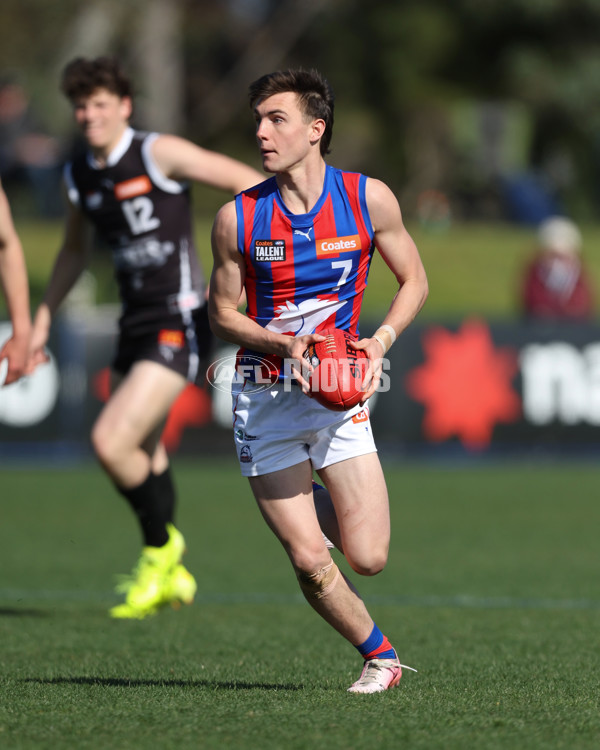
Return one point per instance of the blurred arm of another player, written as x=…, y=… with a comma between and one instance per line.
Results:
x=180, y=159
x=70, y=262
x=13, y=276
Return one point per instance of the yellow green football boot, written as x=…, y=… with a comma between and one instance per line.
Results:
x=181, y=587
x=158, y=579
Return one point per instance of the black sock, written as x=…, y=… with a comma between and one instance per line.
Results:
x=153, y=502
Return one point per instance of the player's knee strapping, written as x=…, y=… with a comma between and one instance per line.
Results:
x=319, y=584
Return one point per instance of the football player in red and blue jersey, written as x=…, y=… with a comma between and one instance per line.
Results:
x=132, y=187
x=300, y=244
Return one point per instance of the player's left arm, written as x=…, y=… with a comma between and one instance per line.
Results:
x=400, y=253
x=180, y=159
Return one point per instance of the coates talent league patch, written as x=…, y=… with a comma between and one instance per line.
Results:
x=269, y=251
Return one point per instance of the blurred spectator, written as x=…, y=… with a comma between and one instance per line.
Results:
x=27, y=153
x=556, y=284
x=528, y=198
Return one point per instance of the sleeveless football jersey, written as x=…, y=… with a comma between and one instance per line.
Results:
x=306, y=272
x=145, y=219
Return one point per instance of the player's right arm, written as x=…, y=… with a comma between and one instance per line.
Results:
x=70, y=262
x=13, y=278
x=226, y=286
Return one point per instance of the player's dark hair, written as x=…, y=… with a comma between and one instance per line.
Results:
x=81, y=77
x=315, y=96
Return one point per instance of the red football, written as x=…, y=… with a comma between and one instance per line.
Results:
x=339, y=370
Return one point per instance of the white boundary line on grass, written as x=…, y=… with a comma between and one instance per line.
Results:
x=460, y=601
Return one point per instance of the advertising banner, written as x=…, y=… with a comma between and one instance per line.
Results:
x=479, y=385
x=474, y=386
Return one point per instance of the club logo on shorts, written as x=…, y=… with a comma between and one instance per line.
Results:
x=246, y=455
x=269, y=251
x=170, y=342
x=171, y=339
x=362, y=416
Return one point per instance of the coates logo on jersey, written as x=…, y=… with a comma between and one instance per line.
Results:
x=332, y=247
x=132, y=188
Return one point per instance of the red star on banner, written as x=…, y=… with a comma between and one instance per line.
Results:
x=465, y=385
x=192, y=408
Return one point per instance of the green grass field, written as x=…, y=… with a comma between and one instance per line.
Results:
x=491, y=592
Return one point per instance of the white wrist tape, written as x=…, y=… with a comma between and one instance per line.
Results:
x=390, y=330
x=381, y=341
x=386, y=336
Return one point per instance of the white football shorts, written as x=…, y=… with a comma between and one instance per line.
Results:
x=280, y=426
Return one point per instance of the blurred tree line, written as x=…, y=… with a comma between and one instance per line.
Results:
x=485, y=107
